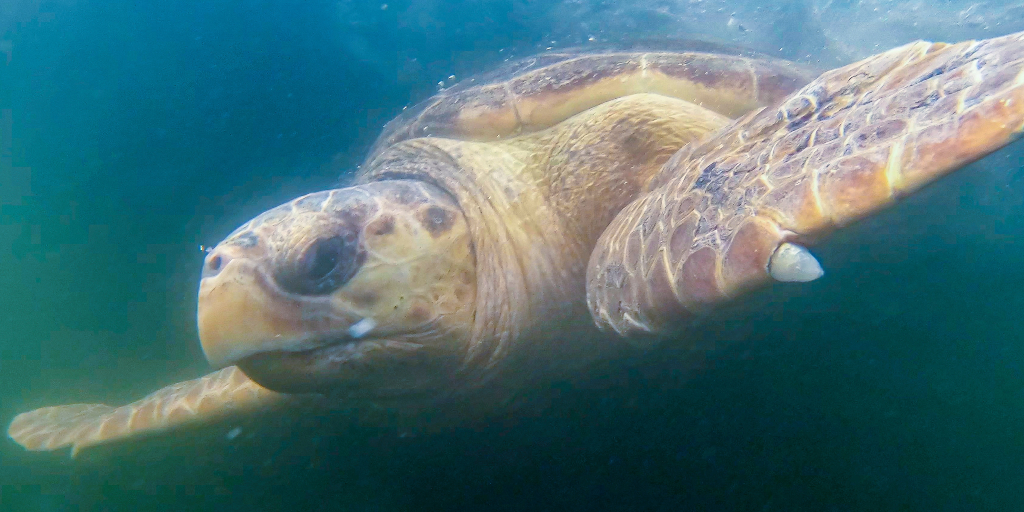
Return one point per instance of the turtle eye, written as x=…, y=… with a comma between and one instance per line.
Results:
x=325, y=266
x=321, y=258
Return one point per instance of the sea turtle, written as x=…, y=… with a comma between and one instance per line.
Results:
x=543, y=217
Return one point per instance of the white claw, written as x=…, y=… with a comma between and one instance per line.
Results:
x=362, y=327
x=792, y=263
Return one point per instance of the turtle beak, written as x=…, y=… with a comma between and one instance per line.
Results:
x=240, y=315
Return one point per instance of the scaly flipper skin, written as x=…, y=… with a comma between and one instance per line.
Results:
x=848, y=144
x=217, y=395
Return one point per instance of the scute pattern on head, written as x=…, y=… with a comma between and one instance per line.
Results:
x=328, y=261
x=849, y=143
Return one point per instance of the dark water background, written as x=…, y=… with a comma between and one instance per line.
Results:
x=139, y=130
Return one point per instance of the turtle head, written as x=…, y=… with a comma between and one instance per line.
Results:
x=366, y=290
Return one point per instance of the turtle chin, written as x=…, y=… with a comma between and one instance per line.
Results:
x=374, y=369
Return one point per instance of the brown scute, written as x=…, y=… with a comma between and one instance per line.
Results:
x=349, y=212
x=855, y=184
x=404, y=193
x=681, y=206
x=855, y=120
x=827, y=131
x=627, y=295
x=709, y=70
x=147, y=410
x=983, y=129
x=246, y=239
x=944, y=109
x=476, y=114
x=312, y=202
x=384, y=225
x=794, y=204
x=661, y=302
x=746, y=259
x=436, y=220
x=798, y=110
x=113, y=424
x=994, y=83
x=614, y=276
x=880, y=132
x=572, y=87
x=653, y=242
x=899, y=103
x=782, y=172
x=681, y=238
x=794, y=143
x=575, y=74
x=699, y=279
x=270, y=216
x=634, y=250
x=920, y=66
x=822, y=155
x=776, y=80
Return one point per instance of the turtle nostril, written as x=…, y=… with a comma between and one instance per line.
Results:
x=214, y=264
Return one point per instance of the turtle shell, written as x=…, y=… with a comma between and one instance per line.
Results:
x=533, y=94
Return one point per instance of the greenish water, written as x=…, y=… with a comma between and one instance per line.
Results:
x=140, y=133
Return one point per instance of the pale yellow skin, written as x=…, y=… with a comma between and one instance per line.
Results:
x=477, y=250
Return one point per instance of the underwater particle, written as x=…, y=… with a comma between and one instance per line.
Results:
x=233, y=433
x=734, y=23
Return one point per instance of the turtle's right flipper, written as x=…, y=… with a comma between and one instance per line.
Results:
x=214, y=396
x=732, y=213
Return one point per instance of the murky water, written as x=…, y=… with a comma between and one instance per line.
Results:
x=139, y=132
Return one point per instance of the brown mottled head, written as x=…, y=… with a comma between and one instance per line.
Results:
x=367, y=289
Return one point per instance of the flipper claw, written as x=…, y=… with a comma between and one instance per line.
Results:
x=793, y=263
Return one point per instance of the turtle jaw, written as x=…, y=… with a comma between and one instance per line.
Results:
x=241, y=313
x=343, y=367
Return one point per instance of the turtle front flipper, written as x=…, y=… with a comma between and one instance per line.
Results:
x=722, y=214
x=217, y=395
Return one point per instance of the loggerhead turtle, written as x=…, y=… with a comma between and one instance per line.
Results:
x=644, y=187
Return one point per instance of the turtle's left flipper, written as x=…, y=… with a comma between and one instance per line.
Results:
x=732, y=212
x=214, y=396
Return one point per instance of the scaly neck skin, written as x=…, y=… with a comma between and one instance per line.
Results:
x=597, y=162
x=537, y=203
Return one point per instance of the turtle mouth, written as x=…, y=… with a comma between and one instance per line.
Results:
x=326, y=367
x=243, y=313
